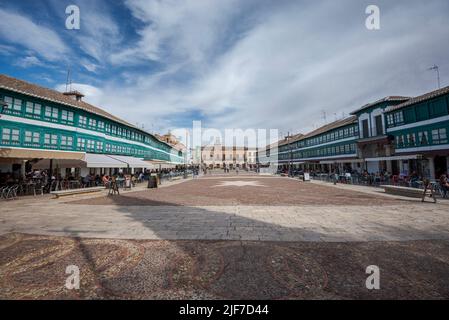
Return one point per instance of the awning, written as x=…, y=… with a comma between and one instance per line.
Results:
x=342, y=161
x=131, y=161
x=22, y=153
x=61, y=163
x=408, y=157
x=93, y=160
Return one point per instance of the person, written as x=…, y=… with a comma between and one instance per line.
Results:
x=414, y=180
x=444, y=185
x=106, y=181
x=86, y=181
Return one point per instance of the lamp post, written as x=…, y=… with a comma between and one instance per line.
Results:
x=437, y=69
x=289, y=155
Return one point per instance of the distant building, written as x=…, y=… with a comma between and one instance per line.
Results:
x=219, y=157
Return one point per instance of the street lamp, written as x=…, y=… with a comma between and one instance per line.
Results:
x=289, y=155
x=437, y=69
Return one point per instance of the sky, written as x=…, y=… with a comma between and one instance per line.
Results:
x=248, y=64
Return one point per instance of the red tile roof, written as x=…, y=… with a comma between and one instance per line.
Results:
x=50, y=95
x=386, y=99
x=421, y=98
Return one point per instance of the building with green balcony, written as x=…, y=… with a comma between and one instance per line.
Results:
x=419, y=132
x=43, y=128
x=373, y=143
x=324, y=149
x=395, y=134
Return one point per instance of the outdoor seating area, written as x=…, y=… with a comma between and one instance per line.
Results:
x=38, y=182
x=400, y=183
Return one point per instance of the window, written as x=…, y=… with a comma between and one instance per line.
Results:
x=379, y=125
x=51, y=139
x=82, y=121
x=108, y=127
x=67, y=116
x=439, y=136
x=398, y=117
x=11, y=136
x=411, y=139
x=32, y=137
x=66, y=141
x=51, y=112
x=13, y=105
x=17, y=106
x=81, y=143
x=90, y=144
x=423, y=138
x=390, y=120
x=33, y=109
x=99, y=146
x=399, y=141
x=365, y=128
x=100, y=125
x=92, y=123
x=9, y=102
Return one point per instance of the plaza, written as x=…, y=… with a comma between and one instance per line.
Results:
x=226, y=236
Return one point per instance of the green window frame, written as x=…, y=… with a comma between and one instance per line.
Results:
x=13, y=105
x=439, y=136
x=423, y=137
x=66, y=142
x=32, y=138
x=33, y=109
x=51, y=140
x=67, y=117
x=82, y=121
x=11, y=136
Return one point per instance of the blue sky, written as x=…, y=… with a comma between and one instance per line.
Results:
x=231, y=64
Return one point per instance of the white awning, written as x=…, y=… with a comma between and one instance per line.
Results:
x=131, y=161
x=342, y=161
x=93, y=160
x=408, y=157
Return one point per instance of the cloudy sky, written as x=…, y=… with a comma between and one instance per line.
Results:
x=229, y=63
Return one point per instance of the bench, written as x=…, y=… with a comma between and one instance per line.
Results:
x=72, y=192
x=403, y=191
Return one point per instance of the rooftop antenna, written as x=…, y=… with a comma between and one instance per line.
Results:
x=437, y=69
x=68, y=82
x=324, y=116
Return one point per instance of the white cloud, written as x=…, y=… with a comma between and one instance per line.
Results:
x=93, y=95
x=28, y=61
x=20, y=30
x=280, y=69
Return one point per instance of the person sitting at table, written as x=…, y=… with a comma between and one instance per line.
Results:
x=106, y=181
x=444, y=184
x=86, y=181
x=414, y=179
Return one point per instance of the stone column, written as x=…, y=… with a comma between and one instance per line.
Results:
x=447, y=165
x=432, y=167
x=389, y=166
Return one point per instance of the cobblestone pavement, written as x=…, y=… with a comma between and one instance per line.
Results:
x=34, y=267
x=374, y=218
x=263, y=191
x=226, y=237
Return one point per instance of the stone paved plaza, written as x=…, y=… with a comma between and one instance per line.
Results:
x=220, y=237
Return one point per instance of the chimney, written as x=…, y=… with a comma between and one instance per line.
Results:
x=75, y=95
